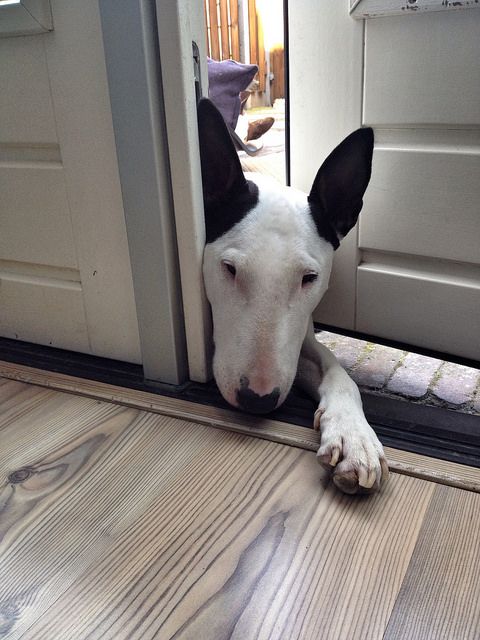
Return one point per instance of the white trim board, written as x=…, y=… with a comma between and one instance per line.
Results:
x=364, y=9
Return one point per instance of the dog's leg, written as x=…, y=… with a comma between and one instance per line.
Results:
x=348, y=444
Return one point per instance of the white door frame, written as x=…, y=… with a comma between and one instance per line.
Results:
x=148, y=51
x=179, y=23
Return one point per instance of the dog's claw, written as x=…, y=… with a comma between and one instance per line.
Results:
x=335, y=457
x=355, y=454
x=361, y=480
x=316, y=418
x=347, y=481
x=328, y=456
x=367, y=477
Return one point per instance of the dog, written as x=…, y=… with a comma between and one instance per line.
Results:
x=266, y=265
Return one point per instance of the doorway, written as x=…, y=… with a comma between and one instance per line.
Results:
x=327, y=104
x=251, y=33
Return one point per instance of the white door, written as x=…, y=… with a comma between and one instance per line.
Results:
x=410, y=271
x=65, y=275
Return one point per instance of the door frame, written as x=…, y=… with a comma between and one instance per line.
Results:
x=181, y=23
x=178, y=23
x=148, y=54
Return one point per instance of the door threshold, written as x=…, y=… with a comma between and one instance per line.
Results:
x=436, y=432
x=410, y=463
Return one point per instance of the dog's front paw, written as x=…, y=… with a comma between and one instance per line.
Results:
x=350, y=447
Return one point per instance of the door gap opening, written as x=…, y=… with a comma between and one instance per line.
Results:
x=252, y=99
x=396, y=372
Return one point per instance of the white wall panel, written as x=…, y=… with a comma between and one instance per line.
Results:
x=410, y=271
x=61, y=204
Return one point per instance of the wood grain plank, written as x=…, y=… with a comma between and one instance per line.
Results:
x=277, y=66
x=214, y=36
x=224, y=29
x=440, y=595
x=252, y=31
x=440, y=471
x=38, y=422
x=262, y=62
x=403, y=462
x=207, y=28
x=59, y=519
x=146, y=526
x=234, y=30
x=12, y=390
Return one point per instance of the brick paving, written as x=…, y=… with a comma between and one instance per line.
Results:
x=456, y=384
x=345, y=349
x=414, y=376
x=377, y=366
x=476, y=401
x=404, y=375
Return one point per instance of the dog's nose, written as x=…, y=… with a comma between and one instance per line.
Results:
x=254, y=403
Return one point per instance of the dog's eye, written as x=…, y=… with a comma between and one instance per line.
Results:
x=309, y=277
x=230, y=268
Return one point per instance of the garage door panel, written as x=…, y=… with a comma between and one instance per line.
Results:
x=423, y=202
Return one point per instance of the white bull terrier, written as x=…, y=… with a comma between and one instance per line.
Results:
x=266, y=266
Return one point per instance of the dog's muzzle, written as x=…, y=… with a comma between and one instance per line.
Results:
x=253, y=402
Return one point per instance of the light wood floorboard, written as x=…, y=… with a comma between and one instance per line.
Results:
x=128, y=524
x=420, y=466
x=440, y=594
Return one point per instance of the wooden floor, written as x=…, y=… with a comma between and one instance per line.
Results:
x=119, y=523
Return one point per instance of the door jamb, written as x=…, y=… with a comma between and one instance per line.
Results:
x=136, y=96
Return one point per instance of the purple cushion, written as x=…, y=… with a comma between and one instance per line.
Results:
x=226, y=79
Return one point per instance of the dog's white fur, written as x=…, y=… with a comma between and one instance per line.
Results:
x=262, y=317
x=263, y=328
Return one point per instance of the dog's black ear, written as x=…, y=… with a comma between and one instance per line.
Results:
x=227, y=195
x=336, y=197
x=222, y=175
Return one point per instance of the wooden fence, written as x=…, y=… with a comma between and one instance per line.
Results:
x=223, y=34
x=223, y=38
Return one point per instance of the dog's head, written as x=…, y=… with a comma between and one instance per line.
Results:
x=268, y=258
